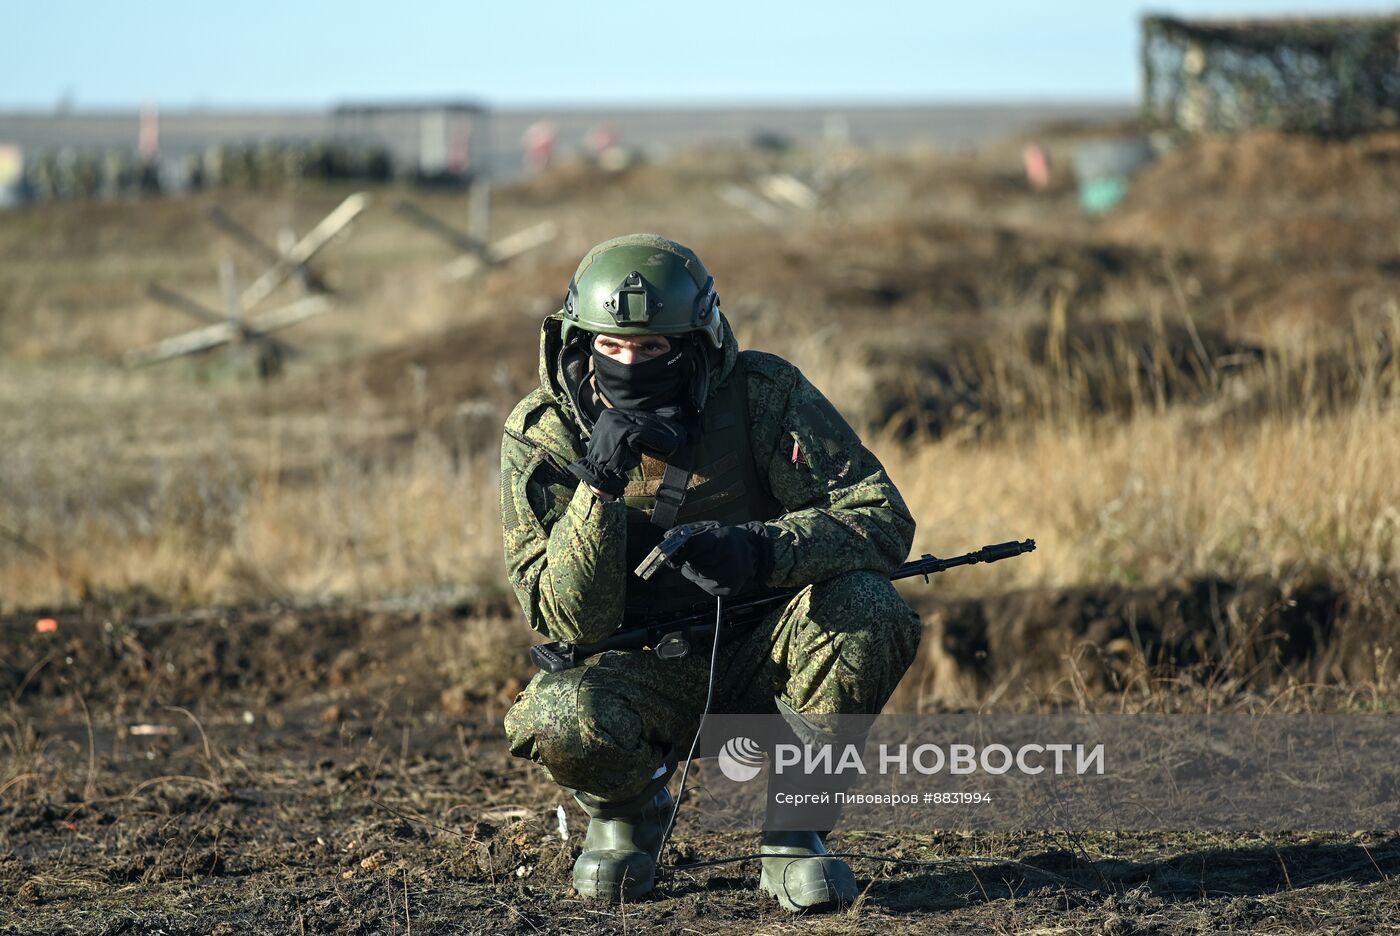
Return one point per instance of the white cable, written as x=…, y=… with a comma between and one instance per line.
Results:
x=709, y=699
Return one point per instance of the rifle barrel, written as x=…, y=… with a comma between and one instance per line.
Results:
x=929, y=564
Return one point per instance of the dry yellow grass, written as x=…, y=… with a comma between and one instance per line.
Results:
x=1127, y=464
x=1159, y=497
x=231, y=529
x=323, y=507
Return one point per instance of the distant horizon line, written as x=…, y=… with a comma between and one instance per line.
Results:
x=410, y=102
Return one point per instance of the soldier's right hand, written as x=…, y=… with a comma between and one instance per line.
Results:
x=620, y=438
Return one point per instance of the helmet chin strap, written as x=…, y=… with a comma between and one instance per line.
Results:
x=593, y=382
x=700, y=376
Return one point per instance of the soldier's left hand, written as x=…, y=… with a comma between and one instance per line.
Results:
x=725, y=560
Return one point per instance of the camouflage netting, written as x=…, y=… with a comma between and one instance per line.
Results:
x=1334, y=77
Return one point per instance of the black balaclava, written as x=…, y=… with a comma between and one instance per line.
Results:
x=662, y=381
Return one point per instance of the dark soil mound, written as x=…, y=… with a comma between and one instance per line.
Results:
x=1078, y=643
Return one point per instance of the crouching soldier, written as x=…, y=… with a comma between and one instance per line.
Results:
x=647, y=416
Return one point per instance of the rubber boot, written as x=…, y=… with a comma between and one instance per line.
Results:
x=799, y=878
x=620, y=847
x=797, y=873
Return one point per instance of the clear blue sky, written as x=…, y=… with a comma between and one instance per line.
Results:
x=523, y=52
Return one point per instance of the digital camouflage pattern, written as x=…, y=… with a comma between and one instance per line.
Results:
x=838, y=647
x=565, y=549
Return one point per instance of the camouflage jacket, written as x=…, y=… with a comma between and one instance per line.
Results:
x=565, y=548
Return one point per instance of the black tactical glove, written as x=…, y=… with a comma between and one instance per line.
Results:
x=723, y=561
x=620, y=436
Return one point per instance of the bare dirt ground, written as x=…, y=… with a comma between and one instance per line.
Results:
x=318, y=772
x=271, y=697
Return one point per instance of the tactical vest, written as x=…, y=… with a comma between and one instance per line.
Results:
x=724, y=485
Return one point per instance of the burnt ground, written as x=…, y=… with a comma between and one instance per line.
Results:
x=344, y=771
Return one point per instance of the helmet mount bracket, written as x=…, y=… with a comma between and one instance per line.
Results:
x=634, y=302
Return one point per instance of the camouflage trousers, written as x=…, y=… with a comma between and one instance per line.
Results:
x=838, y=647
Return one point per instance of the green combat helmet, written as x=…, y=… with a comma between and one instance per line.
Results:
x=642, y=284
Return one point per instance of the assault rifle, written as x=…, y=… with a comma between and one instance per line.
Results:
x=671, y=637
